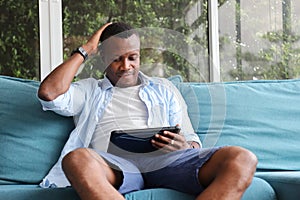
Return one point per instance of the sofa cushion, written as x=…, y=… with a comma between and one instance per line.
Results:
x=31, y=139
x=34, y=192
x=262, y=116
x=259, y=189
x=286, y=184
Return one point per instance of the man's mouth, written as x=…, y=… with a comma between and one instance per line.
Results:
x=125, y=73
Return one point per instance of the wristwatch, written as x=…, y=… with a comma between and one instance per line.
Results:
x=81, y=51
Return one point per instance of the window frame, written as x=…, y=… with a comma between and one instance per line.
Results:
x=51, y=36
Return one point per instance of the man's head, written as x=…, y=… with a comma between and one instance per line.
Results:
x=120, y=51
x=118, y=29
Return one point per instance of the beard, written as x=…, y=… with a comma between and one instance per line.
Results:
x=127, y=78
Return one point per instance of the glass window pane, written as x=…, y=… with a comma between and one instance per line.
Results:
x=259, y=39
x=19, y=42
x=176, y=43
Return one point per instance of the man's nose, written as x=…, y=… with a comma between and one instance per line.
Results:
x=125, y=65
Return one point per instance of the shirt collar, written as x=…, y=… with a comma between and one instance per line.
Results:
x=105, y=83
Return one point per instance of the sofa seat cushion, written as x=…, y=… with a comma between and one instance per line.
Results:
x=34, y=192
x=156, y=194
x=286, y=184
x=31, y=139
x=259, y=189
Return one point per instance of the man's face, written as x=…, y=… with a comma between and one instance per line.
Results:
x=122, y=56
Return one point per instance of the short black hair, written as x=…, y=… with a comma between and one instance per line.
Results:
x=119, y=29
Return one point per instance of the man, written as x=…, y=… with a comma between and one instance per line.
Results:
x=127, y=99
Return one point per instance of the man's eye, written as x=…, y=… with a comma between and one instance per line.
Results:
x=116, y=60
x=134, y=57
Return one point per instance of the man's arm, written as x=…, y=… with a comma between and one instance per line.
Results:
x=191, y=137
x=60, y=79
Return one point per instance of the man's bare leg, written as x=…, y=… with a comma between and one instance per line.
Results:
x=91, y=176
x=227, y=174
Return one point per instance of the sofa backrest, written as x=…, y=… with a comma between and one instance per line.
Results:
x=262, y=116
x=30, y=139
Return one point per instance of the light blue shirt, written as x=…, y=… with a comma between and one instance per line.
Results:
x=87, y=99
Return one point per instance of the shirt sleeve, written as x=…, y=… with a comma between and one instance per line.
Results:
x=186, y=126
x=71, y=102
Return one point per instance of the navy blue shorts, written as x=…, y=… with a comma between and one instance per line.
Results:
x=177, y=170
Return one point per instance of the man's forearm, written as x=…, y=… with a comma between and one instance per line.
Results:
x=60, y=79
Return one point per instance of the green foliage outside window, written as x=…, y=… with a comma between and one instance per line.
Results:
x=280, y=61
x=81, y=19
x=278, y=56
x=19, y=44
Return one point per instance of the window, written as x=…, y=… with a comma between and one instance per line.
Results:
x=19, y=42
x=231, y=39
x=259, y=39
x=177, y=43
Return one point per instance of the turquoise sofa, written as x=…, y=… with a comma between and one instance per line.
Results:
x=262, y=116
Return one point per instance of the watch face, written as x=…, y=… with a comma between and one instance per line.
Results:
x=83, y=52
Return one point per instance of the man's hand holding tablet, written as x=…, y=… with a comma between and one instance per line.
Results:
x=145, y=140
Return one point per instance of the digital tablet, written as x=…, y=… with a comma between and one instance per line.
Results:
x=136, y=140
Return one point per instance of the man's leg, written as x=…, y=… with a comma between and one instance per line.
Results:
x=91, y=176
x=227, y=174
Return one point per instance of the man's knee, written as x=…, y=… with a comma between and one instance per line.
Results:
x=241, y=158
x=237, y=161
x=242, y=162
x=86, y=164
x=77, y=158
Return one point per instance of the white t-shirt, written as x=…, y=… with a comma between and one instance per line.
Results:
x=125, y=111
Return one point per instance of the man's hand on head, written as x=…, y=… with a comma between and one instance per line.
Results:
x=91, y=46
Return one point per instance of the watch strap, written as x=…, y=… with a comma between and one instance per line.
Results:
x=81, y=51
